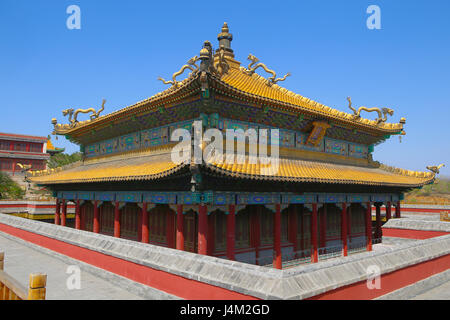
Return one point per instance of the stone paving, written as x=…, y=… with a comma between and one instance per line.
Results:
x=441, y=292
x=21, y=260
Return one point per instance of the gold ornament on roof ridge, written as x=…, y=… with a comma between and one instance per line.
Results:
x=435, y=169
x=24, y=167
x=73, y=118
x=255, y=64
x=190, y=65
x=221, y=67
x=382, y=113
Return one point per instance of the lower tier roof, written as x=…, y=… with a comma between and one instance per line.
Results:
x=296, y=170
x=158, y=164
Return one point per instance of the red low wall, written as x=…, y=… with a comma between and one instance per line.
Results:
x=164, y=281
x=418, y=210
x=389, y=282
x=412, y=234
x=195, y=290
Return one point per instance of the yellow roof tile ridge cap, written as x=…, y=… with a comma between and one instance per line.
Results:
x=404, y=172
x=155, y=97
x=121, y=178
x=309, y=104
x=131, y=154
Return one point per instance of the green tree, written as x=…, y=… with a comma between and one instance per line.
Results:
x=9, y=189
x=63, y=159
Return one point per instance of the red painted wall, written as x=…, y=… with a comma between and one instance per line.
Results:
x=412, y=234
x=389, y=282
x=195, y=290
x=170, y=283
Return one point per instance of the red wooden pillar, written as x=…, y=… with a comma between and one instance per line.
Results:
x=323, y=227
x=231, y=231
x=277, y=261
x=57, y=210
x=293, y=226
x=378, y=221
x=344, y=224
x=180, y=227
x=96, y=224
x=77, y=215
x=202, y=229
x=116, y=220
x=397, y=211
x=64, y=213
x=314, y=245
x=388, y=211
x=144, y=231
x=369, y=226
x=211, y=234
x=170, y=229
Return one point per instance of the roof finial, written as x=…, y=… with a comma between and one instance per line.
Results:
x=225, y=38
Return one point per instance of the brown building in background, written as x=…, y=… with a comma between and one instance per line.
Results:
x=23, y=149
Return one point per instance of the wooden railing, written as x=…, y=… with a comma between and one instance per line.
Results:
x=11, y=289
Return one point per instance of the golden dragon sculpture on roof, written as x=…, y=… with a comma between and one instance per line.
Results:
x=255, y=64
x=73, y=117
x=190, y=65
x=382, y=113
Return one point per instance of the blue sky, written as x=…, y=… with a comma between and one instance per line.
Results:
x=123, y=46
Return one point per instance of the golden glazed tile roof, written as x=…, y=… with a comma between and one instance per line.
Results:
x=236, y=79
x=256, y=85
x=295, y=170
x=136, y=168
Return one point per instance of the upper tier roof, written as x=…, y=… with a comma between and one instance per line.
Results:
x=222, y=73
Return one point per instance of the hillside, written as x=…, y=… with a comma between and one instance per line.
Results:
x=437, y=193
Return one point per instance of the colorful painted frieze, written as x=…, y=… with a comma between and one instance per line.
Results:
x=300, y=143
x=358, y=198
x=67, y=195
x=358, y=150
x=381, y=198
x=159, y=197
x=298, y=199
x=105, y=196
x=129, y=196
x=85, y=195
x=332, y=198
x=189, y=198
x=336, y=147
x=258, y=198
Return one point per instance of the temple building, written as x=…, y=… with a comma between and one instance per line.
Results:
x=316, y=205
x=18, y=150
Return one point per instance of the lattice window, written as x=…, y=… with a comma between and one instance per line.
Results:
x=5, y=164
x=266, y=223
x=36, y=147
x=107, y=219
x=87, y=216
x=158, y=224
x=20, y=146
x=333, y=222
x=358, y=222
x=129, y=222
x=5, y=145
x=242, y=230
x=306, y=229
x=220, y=224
